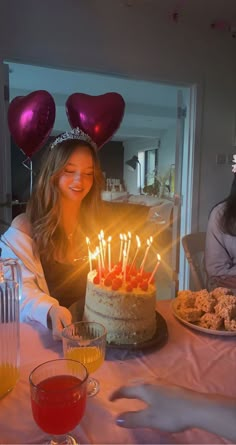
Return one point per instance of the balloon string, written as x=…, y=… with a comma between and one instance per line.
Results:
x=29, y=165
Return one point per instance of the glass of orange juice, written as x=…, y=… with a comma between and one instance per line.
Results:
x=86, y=342
x=10, y=292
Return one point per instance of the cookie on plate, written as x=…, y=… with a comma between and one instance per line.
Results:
x=226, y=307
x=190, y=314
x=211, y=321
x=230, y=325
x=204, y=301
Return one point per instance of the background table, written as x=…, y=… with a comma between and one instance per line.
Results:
x=199, y=361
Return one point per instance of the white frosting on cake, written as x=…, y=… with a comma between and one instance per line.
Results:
x=129, y=317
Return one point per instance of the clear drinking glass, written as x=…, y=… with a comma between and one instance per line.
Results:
x=86, y=341
x=10, y=292
x=58, y=398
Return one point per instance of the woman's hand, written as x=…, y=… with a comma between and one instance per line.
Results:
x=58, y=318
x=169, y=408
x=174, y=408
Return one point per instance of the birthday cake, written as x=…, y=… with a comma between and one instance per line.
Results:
x=126, y=307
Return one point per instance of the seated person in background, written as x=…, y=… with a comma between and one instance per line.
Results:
x=173, y=408
x=220, y=251
x=49, y=239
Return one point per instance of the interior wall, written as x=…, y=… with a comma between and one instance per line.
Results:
x=108, y=37
x=166, y=154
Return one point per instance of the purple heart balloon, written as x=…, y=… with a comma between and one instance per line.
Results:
x=98, y=116
x=31, y=119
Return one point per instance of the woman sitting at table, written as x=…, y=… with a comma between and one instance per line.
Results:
x=220, y=251
x=173, y=408
x=50, y=238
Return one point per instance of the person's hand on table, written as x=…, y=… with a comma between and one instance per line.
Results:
x=173, y=408
x=58, y=318
x=167, y=407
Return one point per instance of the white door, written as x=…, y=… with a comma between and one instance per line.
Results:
x=5, y=152
x=178, y=197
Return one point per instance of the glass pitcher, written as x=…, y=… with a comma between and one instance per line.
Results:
x=10, y=292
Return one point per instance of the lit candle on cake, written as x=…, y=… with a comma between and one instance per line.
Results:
x=124, y=265
x=97, y=255
x=136, y=253
x=121, y=247
x=155, y=268
x=149, y=242
x=129, y=244
x=89, y=254
x=109, y=252
x=104, y=246
x=100, y=238
x=125, y=243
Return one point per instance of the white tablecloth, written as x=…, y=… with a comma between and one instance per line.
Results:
x=199, y=361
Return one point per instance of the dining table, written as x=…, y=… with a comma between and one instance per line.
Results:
x=185, y=356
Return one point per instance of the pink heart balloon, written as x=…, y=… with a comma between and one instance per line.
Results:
x=31, y=119
x=98, y=116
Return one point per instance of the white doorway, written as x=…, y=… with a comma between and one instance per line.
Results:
x=151, y=116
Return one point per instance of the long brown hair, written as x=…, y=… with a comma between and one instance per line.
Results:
x=43, y=209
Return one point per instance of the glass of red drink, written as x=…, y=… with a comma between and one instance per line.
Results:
x=58, y=391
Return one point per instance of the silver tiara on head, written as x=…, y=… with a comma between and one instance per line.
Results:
x=76, y=133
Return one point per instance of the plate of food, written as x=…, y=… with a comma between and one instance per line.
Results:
x=209, y=312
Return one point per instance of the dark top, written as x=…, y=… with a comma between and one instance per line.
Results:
x=67, y=282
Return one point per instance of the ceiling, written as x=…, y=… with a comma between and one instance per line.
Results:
x=202, y=13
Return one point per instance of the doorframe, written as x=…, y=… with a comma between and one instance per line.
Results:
x=5, y=151
x=192, y=157
x=196, y=87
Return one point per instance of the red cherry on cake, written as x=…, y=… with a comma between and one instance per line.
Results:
x=134, y=282
x=144, y=285
x=96, y=279
x=108, y=281
x=116, y=283
x=110, y=276
x=145, y=275
x=139, y=277
x=129, y=287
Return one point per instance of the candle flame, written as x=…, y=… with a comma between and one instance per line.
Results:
x=138, y=241
x=95, y=253
x=109, y=239
x=158, y=257
x=87, y=240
